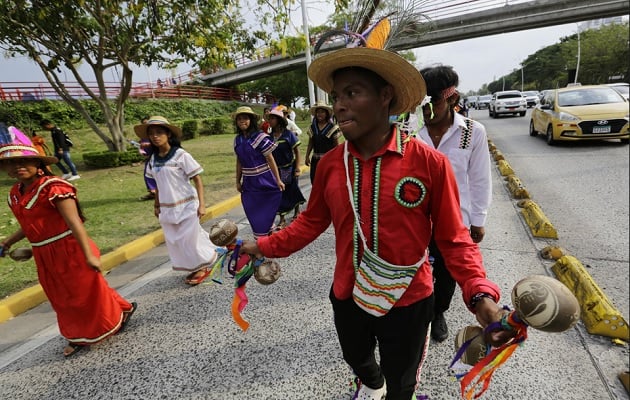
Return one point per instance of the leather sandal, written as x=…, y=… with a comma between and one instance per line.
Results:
x=195, y=278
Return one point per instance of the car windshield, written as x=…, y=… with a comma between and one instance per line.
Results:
x=583, y=97
x=623, y=89
x=485, y=97
x=530, y=94
x=509, y=96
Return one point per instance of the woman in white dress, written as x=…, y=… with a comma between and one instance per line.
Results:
x=178, y=204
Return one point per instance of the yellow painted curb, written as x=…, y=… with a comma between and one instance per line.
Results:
x=538, y=222
x=504, y=168
x=498, y=155
x=598, y=314
x=33, y=296
x=515, y=186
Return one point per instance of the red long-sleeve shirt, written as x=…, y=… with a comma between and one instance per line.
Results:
x=401, y=190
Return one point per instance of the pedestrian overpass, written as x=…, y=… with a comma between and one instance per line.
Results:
x=466, y=24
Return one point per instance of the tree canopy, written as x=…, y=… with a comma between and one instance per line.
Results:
x=113, y=35
x=604, y=56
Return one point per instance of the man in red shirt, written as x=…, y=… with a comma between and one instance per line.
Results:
x=384, y=194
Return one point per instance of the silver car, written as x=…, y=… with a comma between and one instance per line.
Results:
x=507, y=102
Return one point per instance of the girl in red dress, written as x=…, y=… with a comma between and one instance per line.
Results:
x=68, y=262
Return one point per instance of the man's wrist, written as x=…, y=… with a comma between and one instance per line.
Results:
x=478, y=297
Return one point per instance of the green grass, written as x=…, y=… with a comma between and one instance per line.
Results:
x=109, y=198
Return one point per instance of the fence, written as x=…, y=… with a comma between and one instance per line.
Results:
x=33, y=91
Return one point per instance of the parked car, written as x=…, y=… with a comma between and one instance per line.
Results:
x=531, y=96
x=507, y=102
x=591, y=112
x=483, y=101
x=472, y=101
x=621, y=87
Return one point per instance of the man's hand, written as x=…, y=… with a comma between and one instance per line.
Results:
x=250, y=247
x=477, y=233
x=487, y=312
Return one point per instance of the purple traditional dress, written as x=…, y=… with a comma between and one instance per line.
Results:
x=260, y=194
x=285, y=159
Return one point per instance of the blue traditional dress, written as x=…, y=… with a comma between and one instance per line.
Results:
x=260, y=194
x=323, y=140
x=285, y=159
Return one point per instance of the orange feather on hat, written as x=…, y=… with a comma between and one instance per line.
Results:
x=378, y=37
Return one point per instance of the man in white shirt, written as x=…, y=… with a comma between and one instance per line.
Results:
x=291, y=125
x=465, y=143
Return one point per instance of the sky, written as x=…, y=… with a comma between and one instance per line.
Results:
x=477, y=61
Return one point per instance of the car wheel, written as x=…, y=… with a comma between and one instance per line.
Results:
x=532, y=131
x=550, y=140
x=490, y=113
x=522, y=113
x=625, y=141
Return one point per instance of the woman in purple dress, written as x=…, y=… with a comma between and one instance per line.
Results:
x=287, y=158
x=257, y=176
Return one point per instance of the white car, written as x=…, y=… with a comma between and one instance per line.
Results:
x=532, y=97
x=507, y=102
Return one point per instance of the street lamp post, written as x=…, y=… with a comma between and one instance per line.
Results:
x=311, y=87
x=577, y=67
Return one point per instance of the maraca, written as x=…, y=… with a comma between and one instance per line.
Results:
x=223, y=232
x=267, y=272
x=21, y=254
x=541, y=302
x=546, y=304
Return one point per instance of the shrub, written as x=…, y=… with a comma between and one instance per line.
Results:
x=189, y=129
x=108, y=159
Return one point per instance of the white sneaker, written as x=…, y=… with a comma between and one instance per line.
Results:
x=66, y=176
x=365, y=393
x=73, y=178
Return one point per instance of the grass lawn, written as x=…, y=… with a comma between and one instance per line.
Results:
x=110, y=198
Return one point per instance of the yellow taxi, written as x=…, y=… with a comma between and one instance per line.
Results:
x=593, y=112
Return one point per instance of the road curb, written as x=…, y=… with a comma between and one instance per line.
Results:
x=33, y=296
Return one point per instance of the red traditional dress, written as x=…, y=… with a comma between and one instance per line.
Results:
x=88, y=310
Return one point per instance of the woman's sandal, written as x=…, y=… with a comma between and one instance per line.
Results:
x=74, y=349
x=195, y=278
x=127, y=316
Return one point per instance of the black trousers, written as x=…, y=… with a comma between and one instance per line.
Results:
x=401, y=335
x=443, y=283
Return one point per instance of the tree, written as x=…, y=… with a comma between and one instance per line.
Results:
x=111, y=35
x=287, y=88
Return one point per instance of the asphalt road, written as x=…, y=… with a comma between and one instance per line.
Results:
x=183, y=344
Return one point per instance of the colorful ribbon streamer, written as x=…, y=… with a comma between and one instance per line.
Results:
x=482, y=371
x=241, y=267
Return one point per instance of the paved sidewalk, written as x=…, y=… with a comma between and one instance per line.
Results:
x=183, y=344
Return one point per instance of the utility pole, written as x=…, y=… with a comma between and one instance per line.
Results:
x=577, y=67
x=311, y=87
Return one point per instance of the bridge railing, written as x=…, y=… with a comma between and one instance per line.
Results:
x=33, y=91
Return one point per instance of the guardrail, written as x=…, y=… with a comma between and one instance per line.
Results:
x=33, y=91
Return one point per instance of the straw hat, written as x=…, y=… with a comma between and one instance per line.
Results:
x=141, y=130
x=18, y=150
x=321, y=104
x=244, y=110
x=408, y=84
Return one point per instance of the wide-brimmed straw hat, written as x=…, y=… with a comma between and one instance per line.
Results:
x=18, y=150
x=321, y=104
x=408, y=84
x=243, y=110
x=141, y=130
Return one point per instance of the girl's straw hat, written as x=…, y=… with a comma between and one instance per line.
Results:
x=18, y=150
x=141, y=130
x=408, y=84
x=243, y=110
x=321, y=104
